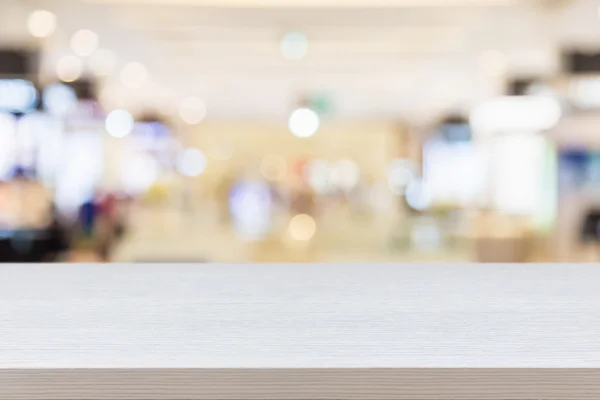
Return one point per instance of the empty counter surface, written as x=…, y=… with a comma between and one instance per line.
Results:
x=303, y=331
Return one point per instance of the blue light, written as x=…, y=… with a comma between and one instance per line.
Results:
x=17, y=95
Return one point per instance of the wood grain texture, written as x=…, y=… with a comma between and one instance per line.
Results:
x=298, y=384
x=381, y=331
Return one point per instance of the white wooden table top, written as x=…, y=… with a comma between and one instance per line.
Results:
x=299, y=316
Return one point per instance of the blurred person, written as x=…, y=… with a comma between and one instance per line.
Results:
x=222, y=191
x=111, y=224
x=303, y=200
x=87, y=216
x=33, y=201
x=59, y=240
x=101, y=224
x=589, y=234
x=33, y=230
x=8, y=205
x=89, y=229
x=278, y=195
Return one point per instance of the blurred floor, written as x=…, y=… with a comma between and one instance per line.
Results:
x=166, y=235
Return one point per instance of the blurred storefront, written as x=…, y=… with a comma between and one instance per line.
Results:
x=200, y=139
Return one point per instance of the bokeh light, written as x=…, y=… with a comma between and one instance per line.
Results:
x=191, y=162
x=304, y=122
x=400, y=174
x=417, y=196
x=301, y=130
x=302, y=227
x=59, y=99
x=250, y=204
x=294, y=46
x=17, y=95
x=192, y=110
x=84, y=42
x=119, y=123
x=41, y=23
x=69, y=68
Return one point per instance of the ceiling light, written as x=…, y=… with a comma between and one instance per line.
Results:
x=302, y=227
x=192, y=162
x=507, y=114
x=41, y=23
x=119, y=123
x=315, y=4
x=69, y=68
x=84, y=42
x=417, y=195
x=294, y=46
x=304, y=122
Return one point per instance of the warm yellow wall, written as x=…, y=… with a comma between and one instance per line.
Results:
x=368, y=144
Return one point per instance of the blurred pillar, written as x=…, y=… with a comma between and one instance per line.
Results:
x=405, y=143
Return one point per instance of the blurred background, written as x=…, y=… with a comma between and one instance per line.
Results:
x=299, y=130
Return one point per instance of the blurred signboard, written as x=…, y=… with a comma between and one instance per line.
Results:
x=580, y=62
x=18, y=63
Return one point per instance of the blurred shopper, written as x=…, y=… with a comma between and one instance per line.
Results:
x=223, y=191
x=101, y=224
x=303, y=200
x=109, y=224
x=590, y=234
x=59, y=240
x=87, y=218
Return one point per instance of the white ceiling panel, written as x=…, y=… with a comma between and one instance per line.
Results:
x=394, y=58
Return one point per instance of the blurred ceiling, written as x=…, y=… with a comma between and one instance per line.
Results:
x=393, y=59
x=312, y=3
